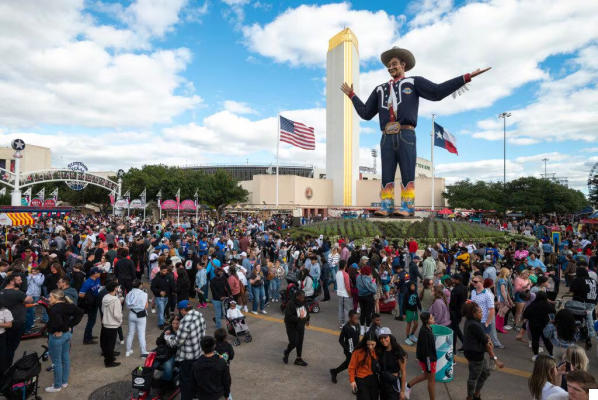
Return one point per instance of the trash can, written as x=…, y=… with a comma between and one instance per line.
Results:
x=444, y=352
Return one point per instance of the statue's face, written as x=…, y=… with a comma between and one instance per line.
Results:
x=396, y=68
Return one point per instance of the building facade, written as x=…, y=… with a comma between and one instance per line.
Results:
x=35, y=158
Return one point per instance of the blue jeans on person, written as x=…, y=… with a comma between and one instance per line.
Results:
x=167, y=368
x=45, y=318
x=218, y=312
x=401, y=296
x=161, y=303
x=258, y=295
x=92, y=315
x=333, y=271
x=274, y=288
x=250, y=291
x=398, y=149
x=267, y=290
x=590, y=319
x=59, y=348
x=30, y=319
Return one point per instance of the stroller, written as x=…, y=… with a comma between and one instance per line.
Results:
x=389, y=305
x=21, y=380
x=236, y=327
x=145, y=387
x=293, y=285
x=577, y=307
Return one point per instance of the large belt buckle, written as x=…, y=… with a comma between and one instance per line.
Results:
x=392, y=128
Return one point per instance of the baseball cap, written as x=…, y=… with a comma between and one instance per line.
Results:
x=384, y=332
x=365, y=258
x=416, y=257
x=53, y=255
x=243, y=254
x=183, y=304
x=95, y=270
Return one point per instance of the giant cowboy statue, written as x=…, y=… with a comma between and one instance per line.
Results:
x=397, y=103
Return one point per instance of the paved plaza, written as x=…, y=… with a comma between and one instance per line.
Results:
x=259, y=373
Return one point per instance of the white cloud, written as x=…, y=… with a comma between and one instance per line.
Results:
x=564, y=110
x=589, y=150
x=511, y=36
x=236, y=13
x=367, y=130
x=574, y=168
x=50, y=75
x=236, y=107
x=300, y=35
x=428, y=11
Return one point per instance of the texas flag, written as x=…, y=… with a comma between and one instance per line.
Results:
x=444, y=139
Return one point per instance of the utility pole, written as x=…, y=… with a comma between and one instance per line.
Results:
x=504, y=116
x=545, y=161
x=375, y=157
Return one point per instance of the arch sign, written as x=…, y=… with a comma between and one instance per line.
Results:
x=73, y=178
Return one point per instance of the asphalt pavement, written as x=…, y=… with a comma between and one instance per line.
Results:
x=259, y=373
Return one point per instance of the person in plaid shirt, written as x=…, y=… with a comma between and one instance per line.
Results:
x=186, y=341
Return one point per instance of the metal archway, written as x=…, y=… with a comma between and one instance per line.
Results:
x=67, y=175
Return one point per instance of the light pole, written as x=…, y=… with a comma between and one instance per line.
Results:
x=545, y=161
x=504, y=116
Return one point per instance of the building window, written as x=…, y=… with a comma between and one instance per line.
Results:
x=3, y=164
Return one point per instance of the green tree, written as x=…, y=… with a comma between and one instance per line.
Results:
x=5, y=200
x=527, y=194
x=220, y=190
x=477, y=195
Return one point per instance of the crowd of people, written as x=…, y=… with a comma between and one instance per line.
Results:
x=127, y=270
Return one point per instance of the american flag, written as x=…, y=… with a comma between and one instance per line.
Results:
x=297, y=134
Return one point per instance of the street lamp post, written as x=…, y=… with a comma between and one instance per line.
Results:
x=504, y=116
x=545, y=161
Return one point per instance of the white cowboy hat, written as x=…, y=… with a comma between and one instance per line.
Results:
x=403, y=54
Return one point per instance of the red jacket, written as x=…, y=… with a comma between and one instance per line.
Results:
x=412, y=246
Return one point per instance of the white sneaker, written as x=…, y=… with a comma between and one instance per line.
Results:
x=409, y=342
x=534, y=358
x=122, y=342
x=407, y=392
x=254, y=312
x=264, y=312
x=128, y=353
x=153, y=311
x=52, y=389
x=245, y=309
x=65, y=385
x=413, y=338
x=507, y=327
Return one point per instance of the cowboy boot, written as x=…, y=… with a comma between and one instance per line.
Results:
x=387, y=206
x=407, y=201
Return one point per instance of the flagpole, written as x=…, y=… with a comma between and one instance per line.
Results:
x=277, y=153
x=432, y=146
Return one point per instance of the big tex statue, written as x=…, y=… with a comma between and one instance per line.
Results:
x=397, y=102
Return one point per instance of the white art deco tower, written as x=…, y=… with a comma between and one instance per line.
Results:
x=342, y=123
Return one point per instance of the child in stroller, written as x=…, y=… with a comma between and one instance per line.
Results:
x=577, y=307
x=235, y=321
x=311, y=300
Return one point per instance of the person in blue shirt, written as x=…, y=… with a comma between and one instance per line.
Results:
x=203, y=246
x=397, y=102
x=492, y=251
x=535, y=262
x=91, y=285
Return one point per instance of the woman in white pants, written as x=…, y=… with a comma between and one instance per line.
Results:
x=137, y=304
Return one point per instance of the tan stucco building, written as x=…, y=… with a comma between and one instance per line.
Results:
x=35, y=158
x=314, y=196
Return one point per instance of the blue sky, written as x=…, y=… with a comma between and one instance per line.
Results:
x=119, y=84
